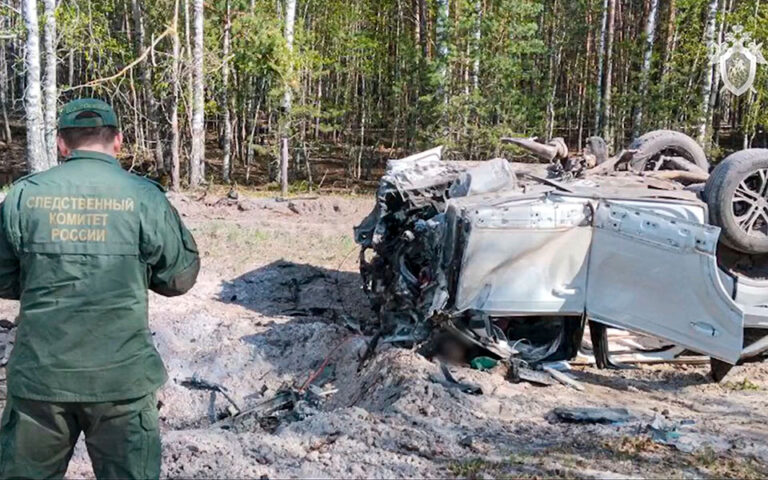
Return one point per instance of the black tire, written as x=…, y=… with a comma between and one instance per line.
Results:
x=657, y=142
x=742, y=215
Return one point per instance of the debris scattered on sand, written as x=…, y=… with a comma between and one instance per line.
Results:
x=450, y=382
x=592, y=415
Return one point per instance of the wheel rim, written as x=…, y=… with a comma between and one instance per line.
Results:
x=750, y=205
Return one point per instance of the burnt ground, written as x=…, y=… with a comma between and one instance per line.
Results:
x=277, y=301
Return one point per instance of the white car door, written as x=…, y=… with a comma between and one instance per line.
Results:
x=658, y=274
x=526, y=257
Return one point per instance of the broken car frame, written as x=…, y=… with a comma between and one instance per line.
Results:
x=517, y=258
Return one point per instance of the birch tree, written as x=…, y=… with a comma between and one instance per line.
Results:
x=714, y=93
x=175, y=94
x=476, y=34
x=151, y=107
x=650, y=37
x=197, y=155
x=555, y=57
x=50, y=93
x=608, y=130
x=706, y=85
x=443, y=49
x=37, y=157
x=601, y=70
x=669, y=47
x=371, y=78
x=227, y=140
x=7, y=136
x=290, y=19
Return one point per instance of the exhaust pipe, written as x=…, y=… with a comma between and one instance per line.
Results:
x=548, y=152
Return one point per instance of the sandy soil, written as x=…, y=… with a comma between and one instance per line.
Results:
x=276, y=300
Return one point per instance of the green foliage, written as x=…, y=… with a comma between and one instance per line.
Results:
x=370, y=69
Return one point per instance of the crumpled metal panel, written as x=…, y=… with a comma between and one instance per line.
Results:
x=423, y=170
x=487, y=177
x=658, y=275
x=526, y=257
x=688, y=211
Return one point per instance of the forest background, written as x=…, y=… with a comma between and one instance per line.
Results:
x=312, y=94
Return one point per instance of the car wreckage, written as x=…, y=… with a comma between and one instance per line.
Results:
x=520, y=259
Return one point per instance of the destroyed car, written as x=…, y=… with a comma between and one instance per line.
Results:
x=518, y=258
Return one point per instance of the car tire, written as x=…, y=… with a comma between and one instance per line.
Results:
x=737, y=196
x=649, y=146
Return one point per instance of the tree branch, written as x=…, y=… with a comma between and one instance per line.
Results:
x=99, y=81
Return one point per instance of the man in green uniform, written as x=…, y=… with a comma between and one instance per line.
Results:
x=80, y=245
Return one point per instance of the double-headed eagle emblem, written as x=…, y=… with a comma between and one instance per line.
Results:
x=737, y=59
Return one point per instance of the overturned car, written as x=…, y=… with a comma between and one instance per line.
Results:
x=517, y=259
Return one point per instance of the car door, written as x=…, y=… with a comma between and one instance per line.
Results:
x=526, y=257
x=657, y=274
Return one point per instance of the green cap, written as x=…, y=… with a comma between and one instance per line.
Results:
x=80, y=114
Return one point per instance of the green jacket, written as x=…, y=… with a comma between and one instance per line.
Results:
x=80, y=245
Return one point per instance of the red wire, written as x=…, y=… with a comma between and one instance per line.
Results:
x=317, y=372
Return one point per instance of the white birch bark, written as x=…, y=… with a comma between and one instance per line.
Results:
x=601, y=70
x=227, y=140
x=4, y=92
x=608, y=130
x=50, y=93
x=650, y=37
x=706, y=86
x=37, y=157
x=443, y=49
x=477, y=33
x=176, y=85
x=290, y=19
x=714, y=93
x=197, y=154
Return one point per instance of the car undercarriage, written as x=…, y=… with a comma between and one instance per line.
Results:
x=519, y=260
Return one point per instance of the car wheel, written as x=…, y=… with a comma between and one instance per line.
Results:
x=651, y=147
x=737, y=196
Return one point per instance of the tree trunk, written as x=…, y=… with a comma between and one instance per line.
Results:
x=608, y=133
x=748, y=128
x=175, y=85
x=145, y=73
x=650, y=37
x=197, y=156
x=706, y=86
x=601, y=70
x=227, y=140
x=555, y=58
x=477, y=32
x=4, y=92
x=290, y=18
x=37, y=158
x=443, y=49
x=49, y=81
x=714, y=93
x=670, y=42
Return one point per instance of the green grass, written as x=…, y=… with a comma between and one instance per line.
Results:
x=625, y=455
x=742, y=386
